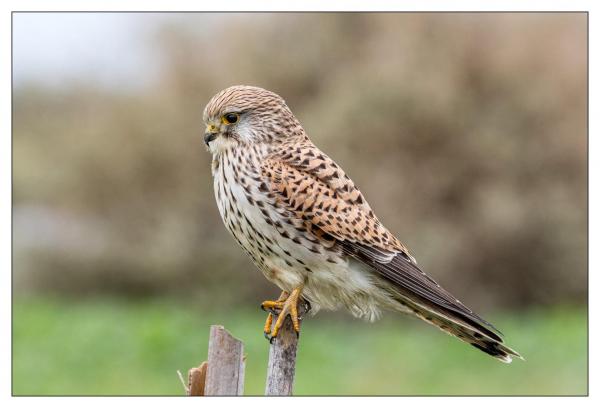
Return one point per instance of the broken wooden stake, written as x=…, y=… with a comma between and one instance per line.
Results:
x=223, y=373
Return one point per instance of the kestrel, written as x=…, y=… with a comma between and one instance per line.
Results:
x=309, y=229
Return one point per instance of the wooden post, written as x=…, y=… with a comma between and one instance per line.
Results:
x=225, y=371
x=282, y=357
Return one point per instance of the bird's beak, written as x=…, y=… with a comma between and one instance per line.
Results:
x=209, y=137
x=210, y=134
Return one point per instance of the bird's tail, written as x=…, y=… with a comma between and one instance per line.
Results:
x=459, y=326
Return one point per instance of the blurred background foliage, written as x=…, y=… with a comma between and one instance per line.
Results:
x=466, y=132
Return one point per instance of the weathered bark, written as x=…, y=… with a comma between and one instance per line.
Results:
x=226, y=366
x=282, y=357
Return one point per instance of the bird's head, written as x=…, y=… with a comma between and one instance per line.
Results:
x=246, y=115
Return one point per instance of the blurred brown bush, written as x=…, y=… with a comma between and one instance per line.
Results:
x=466, y=132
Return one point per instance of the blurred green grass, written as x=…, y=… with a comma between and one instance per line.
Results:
x=107, y=346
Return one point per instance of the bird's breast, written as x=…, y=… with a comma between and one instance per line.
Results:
x=280, y=245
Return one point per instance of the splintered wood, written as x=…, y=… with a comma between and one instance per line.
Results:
x=197, y=380
x=223, y=373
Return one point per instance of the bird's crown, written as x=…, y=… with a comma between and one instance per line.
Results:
x=242, y=98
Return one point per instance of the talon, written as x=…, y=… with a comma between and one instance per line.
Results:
x=269, y=305
x=273, y=307
x=286, y=305
x=267, y=329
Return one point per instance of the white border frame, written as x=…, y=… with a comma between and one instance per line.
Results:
x=280, y=5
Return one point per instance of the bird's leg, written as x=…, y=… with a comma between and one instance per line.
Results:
x=273, y=307
x=288, y=306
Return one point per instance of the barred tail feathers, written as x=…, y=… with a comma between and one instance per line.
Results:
x=479, y=337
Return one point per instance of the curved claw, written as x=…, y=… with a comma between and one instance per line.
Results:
x=267, y=329
x=289, y=308
x=286, y=305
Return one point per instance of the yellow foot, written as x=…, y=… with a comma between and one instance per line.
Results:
x=273, y=307
x=287, y=304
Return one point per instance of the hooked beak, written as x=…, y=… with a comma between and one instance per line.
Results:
x=210, y=133
x=209, y=137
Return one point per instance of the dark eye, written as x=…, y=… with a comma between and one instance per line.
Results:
x=230, y=118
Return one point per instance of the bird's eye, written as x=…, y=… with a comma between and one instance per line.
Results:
x=230, y=118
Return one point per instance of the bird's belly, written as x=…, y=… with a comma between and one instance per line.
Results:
x=348, y=284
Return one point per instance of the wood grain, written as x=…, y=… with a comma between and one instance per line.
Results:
x=197, y=380
x=282, y=357
x=226, y=365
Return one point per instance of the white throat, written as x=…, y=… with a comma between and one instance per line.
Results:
x=220, y=145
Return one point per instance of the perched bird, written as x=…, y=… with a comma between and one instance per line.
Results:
x=309, y=229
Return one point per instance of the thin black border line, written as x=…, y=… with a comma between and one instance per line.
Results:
x=586, y=12
x=587, y=21
x=306, y=12
x=12, y=207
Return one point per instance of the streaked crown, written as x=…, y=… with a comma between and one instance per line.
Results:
x=247, y=114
